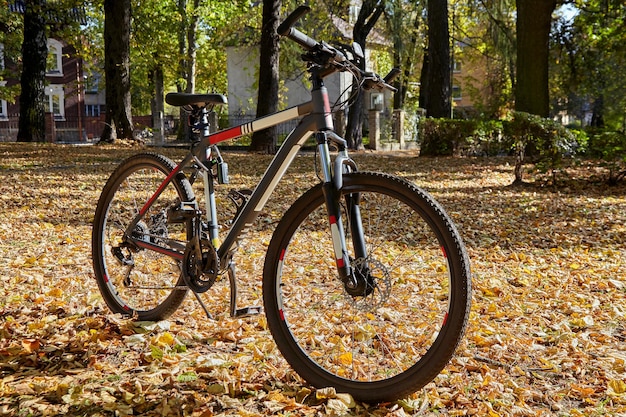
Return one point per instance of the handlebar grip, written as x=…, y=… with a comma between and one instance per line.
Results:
x=301, y=39
x=291, y=20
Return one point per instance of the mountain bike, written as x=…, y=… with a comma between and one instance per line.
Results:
x=366, y=281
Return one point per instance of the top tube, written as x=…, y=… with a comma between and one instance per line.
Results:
x=261, y=123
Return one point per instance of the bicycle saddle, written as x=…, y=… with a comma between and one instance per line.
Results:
x=189, y=99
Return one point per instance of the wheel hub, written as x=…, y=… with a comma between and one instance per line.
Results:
x=373, y=284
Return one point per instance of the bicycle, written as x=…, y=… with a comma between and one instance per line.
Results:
x=366, y=282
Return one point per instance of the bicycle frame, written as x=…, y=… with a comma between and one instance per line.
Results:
x=316, y=118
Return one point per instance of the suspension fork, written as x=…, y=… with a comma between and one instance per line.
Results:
x=332, y=184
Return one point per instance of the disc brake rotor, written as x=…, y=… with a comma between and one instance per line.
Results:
x=378, y=283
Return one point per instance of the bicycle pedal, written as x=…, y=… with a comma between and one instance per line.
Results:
x=248, y=311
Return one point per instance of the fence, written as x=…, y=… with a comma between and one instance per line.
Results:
x=393, y=130
x=60, y=130
x=8, y=129
x=386, y=130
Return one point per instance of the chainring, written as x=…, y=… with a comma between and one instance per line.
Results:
x=199, y=268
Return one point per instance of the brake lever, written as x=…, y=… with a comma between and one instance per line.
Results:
x=373, y=81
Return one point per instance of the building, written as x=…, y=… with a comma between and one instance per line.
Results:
x=73, y=102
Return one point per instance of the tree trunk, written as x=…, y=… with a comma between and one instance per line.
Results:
x=156, y=104
x=34, y=54
x=265, y=140
x=187, y=49
x=192, y=48
x=534, y=19
x=438, y=102
x=424, y=86
x=403, y=56
x=370, y=12
x=597, y=117
x=118, y=120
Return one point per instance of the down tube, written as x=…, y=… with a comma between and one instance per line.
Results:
x=269, y=181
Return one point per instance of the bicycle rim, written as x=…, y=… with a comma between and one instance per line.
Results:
x=399, y=336
x=136, y=281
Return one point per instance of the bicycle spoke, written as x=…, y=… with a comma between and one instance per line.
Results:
x=136, y=273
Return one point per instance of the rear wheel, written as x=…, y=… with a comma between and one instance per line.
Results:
x=135, y=281
x=403, y=329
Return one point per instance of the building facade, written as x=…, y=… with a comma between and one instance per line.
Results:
x=74, y=105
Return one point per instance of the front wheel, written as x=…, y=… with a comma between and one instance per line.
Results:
x=398, y=335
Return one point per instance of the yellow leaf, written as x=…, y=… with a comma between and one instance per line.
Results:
x=31, y=345
x=345, y=358
x=323, y=393
x=30, y=262
x=617, y=386
x=55, y=292
x=166, y=339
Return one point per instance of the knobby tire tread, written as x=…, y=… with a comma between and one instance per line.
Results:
x=429, y=365
x=127, y=167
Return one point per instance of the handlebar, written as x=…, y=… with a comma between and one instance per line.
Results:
x=286, y=29
x=369, y=80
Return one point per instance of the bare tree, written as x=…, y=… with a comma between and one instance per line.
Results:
x=34, y=57
x=118, y=121
x=370, y=12
x=534, y=19
x=267, y=102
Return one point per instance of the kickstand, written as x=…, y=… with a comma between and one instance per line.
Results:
x=202, y=305
x=234, y=311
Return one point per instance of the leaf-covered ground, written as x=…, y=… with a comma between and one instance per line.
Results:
x=546, y=333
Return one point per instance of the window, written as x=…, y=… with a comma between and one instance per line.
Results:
x=1, y=56
x=3, y=103
x=456, y=66
x=55, y=100
x=376, y=101
x=456, y=93
x=92, y=83
x=92, y=110
x=54, y=65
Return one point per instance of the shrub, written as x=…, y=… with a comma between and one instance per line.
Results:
x=523, y=134
x=546, y=140
x=443, y=137
x=611, y=148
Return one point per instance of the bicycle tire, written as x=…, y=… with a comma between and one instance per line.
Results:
x=138, y=282
x=392, y=342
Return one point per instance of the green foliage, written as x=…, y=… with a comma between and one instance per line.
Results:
x=588, y=64
x=545, y=141
x=610, y=146
x=444, y=137
x=11, y=34
x=486, y=31
x=607, y=145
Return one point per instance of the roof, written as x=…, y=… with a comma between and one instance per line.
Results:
x=54, y=15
